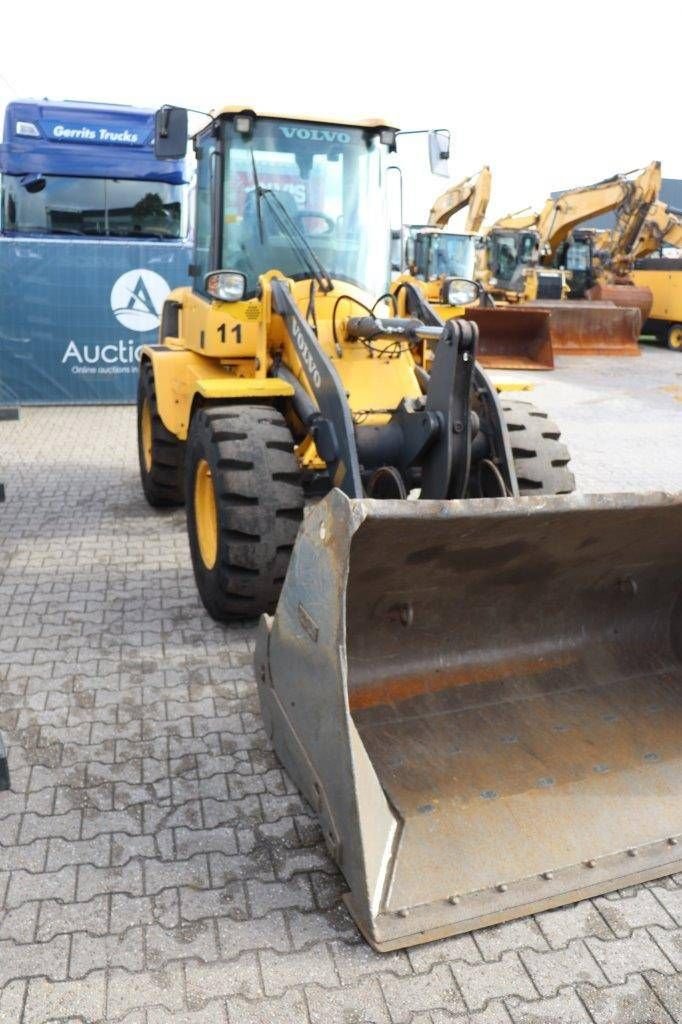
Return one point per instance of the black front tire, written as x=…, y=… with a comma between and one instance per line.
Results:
x=540, y=457
x=160, y=453
x=248, y=453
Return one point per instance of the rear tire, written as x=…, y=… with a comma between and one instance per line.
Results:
x=161, y=454
x=674, y=337
x=244, y=507
x=540, y=457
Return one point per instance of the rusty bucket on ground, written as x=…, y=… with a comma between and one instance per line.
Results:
x=586, y=328
x=482, y=700
x=628, y=295
x=513, y=338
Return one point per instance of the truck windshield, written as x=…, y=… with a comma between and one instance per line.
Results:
x=59, y=205
x=330, y=181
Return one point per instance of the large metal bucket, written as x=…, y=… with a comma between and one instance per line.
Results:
x=588, y=328
x=513, y=338
x=483, y=701
x=629, y=295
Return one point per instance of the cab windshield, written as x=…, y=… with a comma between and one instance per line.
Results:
x=509, y=252
x=330, y=181
x=438, y=254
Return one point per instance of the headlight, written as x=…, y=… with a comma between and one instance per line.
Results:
x=226, y=285
x=460, y=292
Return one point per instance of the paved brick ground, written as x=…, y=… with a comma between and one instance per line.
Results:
x=156, y=866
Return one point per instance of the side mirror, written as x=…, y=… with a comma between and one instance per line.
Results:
x=439, y=152
x=33, y=183
x=457, y=291
x=170, y=133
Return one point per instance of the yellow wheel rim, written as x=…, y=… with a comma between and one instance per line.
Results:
x=206, y=514
x=675, y=338
x=146, y=431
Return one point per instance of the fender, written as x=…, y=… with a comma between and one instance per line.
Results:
x=180, y=376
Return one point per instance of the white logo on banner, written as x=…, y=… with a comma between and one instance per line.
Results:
x=137, y=298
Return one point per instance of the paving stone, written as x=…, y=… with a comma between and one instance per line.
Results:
x=435, y=990
x=577, y=921
x=268, y=932
x=671, y=899
x=83, y=1000
x=206, y=981
x=283, y=971
x=34, y=958
x=12, y=998
x=519, y=934
x=287, y=1009
x=564, y=1008
x=359, y=959
x=620, y=957
x=639, y=910
x=57, y=917
x=361, y=1003
x=213, y=1013
x=553, y=969
x=25, y=885
x=189, y=939
x=19, y=924
x=127, y=991
x=480, y=982
x=124, y=879
x=633, y=1002
x=669, y=991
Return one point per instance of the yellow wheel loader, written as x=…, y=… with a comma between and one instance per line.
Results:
x=444, y=264
x=480, y=693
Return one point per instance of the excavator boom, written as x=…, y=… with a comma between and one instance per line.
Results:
x=473, y=192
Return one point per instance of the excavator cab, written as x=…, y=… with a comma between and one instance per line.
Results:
x=510, y=254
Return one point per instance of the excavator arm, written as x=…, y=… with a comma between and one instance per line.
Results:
x=631, y=197
x=662, y=226
x=473, y=192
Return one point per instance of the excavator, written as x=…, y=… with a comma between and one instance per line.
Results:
x=444, y=264
x=662, y=276
x=526, y=261
x=475, y=680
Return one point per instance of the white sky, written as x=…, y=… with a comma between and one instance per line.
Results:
x=550, y=94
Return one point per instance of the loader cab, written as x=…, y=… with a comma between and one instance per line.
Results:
x=510, y=254
x=271, y=189
x=431, y=254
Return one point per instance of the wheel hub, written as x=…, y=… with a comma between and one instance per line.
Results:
x=206, y=514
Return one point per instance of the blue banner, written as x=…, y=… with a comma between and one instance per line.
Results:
x=74, y=315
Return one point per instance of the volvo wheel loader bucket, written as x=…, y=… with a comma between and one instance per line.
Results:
x=583, y=328
x=628, y=295
x=513, y=339
x=482, y=700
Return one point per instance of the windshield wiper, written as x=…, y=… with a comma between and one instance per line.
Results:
x=303, y=248
x=290, y=228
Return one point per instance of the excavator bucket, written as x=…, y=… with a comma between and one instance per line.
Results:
x=482, y=700
x=511, y=338
x=629, y=295
x=585, y=328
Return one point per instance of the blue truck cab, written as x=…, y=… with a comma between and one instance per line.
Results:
x=92, y=230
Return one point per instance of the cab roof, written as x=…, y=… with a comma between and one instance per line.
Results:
x=372, y=122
